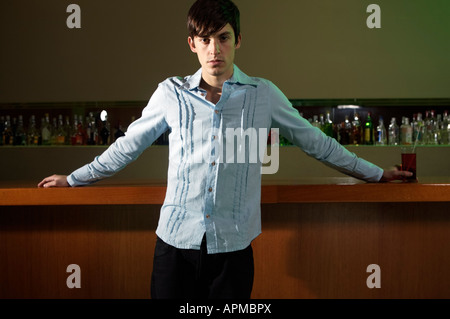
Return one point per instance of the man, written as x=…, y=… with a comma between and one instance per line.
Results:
x=211, y=212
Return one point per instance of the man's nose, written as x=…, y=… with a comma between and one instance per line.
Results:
x=214, y=47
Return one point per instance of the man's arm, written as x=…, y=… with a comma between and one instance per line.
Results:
x=325, y=149
x=140, y=135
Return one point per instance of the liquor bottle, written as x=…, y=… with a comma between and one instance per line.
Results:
x=345, y=131
x=106, y=129
x=381, y=137
x=20, y=136
x=356, y=130
x=2, y=128
x=81, y=137
x=418, y=130
x=430, y=124
x=8, y=136
x=34, y=134
x=119, y=131
x=68, y=131
x=54, y=132
x=393, y=132
x=60, y=132
x=327, y=127
x=406, y=132
x=445, y=130
x=46, y=130
x=91, y=130
x=368, y=130
x=316, y=122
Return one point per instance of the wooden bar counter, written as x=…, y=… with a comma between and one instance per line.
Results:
x=319, y=237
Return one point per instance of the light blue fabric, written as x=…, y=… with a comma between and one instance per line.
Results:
x=209, y=188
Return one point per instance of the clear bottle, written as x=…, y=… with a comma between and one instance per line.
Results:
x=418, y=130
x=445, y=130
x=393, y=132
x=406, y=132
x=46, y=130
x=381, y=135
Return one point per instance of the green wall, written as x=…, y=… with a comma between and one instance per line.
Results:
x=311, y=49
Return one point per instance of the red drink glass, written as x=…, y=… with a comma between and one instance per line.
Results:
x=409, y=164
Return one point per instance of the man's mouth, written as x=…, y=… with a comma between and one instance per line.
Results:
x=215, y=62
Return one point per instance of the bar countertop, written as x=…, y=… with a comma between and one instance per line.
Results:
x=308, y=190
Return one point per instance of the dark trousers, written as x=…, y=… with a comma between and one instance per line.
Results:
x=194, y=274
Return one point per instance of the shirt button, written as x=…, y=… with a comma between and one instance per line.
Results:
x=216, y=111
x=210, y=189
x=207, y=216
x=213, y=163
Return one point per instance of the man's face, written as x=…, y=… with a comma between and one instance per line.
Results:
x=216, y=53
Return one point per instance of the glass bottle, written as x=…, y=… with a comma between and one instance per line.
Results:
x=34, y=134
x=20, y=136
x=368, y=130
x=393, y=132
x=327, y=127
x=46, y=131
x=7, y=132
x=356, y=130
x=381, y=137
x=406, y=132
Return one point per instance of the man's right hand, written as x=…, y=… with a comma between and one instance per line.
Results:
x=54, y=181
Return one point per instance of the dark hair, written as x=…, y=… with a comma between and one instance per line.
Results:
x=206, y=17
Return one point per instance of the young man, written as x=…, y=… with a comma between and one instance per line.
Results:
x=211, y=212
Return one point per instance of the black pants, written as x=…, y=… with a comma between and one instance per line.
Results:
x=193, y=274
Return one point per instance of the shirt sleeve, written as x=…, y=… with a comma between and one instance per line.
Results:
x=139, y=136
x=315, y=143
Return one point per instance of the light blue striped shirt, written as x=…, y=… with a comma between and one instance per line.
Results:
x=210, y=188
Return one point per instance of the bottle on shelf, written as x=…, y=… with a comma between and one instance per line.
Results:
x=91, y=130
x=46, y=130
x=60, y=132
x=393, y=132
x=445, y=129
x=327, y=127
x=106, y=129
x=34, y=134
x=119, y=131
x=68, y=131
x=381, y=135
x=356, y=137
x=368, y=130
x=418, y=129
x=406, y=132
x=345, y=130
x=8, y=137
x=20, y=135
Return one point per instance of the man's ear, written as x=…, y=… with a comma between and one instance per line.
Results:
x=238, y=44
x=192, y=45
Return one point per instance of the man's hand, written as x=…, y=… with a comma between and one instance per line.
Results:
x=394, y=174
x=54, y=181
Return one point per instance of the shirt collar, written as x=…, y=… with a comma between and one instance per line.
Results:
x=239, y=77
